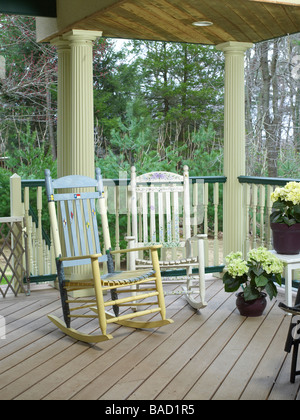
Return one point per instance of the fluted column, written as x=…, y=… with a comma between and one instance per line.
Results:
x=75, y=138
x=63, y=106
x=75, y=125
x=234, y=144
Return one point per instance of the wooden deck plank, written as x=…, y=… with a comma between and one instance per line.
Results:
x=101, y=374
x=159, y=379
x=142, y=362
x=54, y=383
x=261, y=382
x=247, y=362
x=91, y=359
x=214, y=354
x=209, y=383
x=283, y=389
x=26, y=330
x=184, y=380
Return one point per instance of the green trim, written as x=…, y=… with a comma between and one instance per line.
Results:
x=46, y=8
x=32, y=183
x=182, y=272
x=41, y=279
x=265, y=181
x=209, y=179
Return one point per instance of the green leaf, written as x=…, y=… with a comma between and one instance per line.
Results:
x=230, y=284
x=257, y=270
x=279, y=205
x=250, y=293
x=271, y=290
x=278, y=279
x=261, y=281
x=276, y=217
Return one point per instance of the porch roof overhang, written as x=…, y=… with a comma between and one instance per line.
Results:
x=164, y=20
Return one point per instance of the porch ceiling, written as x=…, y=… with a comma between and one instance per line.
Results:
x=171, y=20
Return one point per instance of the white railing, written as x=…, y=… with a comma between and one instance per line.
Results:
x=29, y=199
x=257, y=209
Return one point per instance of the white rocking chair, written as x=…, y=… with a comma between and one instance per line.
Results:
x=156, y=198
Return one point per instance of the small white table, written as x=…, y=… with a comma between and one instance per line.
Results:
x=292, y=262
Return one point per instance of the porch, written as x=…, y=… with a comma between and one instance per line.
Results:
x=213, y=354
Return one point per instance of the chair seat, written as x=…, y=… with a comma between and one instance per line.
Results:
x=128, y=277
x=168, y=263
x=117, y=278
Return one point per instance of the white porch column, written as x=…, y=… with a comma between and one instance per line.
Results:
x=75, y=103
x=63, y=106
x=75, y=125
x=234, y=144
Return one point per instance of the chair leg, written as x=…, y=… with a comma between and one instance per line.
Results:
x=66, y=326
x=99, y=295
x=158, y=281
x=293, y=341
x=63, y=293
x=294, y=363
x=201, y=271
x=113, y=293
x=195, y=291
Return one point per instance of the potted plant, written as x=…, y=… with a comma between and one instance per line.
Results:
x=285, y=218
x=257, y=274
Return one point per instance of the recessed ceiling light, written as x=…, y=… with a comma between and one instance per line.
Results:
x=202, y=23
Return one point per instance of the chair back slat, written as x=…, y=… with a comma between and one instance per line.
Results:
x=160, y=201
x=65, y=229
x=80, y=227
x=78, y=215
x=95, y=225
x=73, y=227
x=88, y=227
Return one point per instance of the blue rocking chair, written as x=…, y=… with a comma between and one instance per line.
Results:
x=73, y=203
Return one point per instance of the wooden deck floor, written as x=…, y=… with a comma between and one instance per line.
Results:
x=212, y=354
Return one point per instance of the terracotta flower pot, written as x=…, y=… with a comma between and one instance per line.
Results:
x=286, y=239
x=251, y=308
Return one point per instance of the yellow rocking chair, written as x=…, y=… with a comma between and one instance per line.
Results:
x=77, y=246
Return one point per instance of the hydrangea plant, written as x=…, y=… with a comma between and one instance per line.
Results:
x=259, y=272
x=286, y=204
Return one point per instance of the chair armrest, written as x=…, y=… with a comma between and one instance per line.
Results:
x=197, y=237
x=188, y=244
x=81, y=257
x=142, y=248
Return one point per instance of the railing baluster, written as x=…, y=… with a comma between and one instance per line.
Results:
x=39, y=205
x=262, y=199
x=216, y=224
x=254, y=210
x=205, y=202
x=117, y=226
x=247, y=218
x=269, y=211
